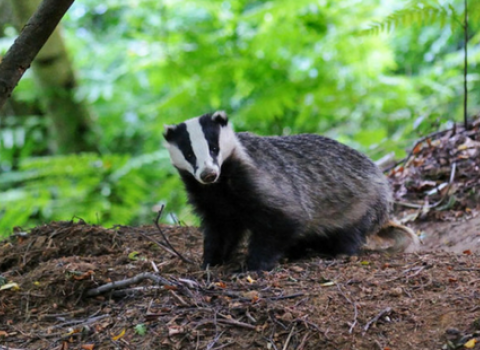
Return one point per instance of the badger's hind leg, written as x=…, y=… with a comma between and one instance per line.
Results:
x=220, y=241
x=348, y=240
x=335, y=242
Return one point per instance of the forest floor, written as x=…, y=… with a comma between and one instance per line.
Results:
x=70, y=285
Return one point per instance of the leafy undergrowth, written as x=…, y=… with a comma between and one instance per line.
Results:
x=53, y=300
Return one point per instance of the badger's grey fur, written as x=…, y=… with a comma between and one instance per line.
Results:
x=292, y=193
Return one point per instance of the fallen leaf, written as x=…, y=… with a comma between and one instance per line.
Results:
x=250, y=279
x=418, y=162
x=287, y=317
x=133, y=255
x=417, y=148
x=396, y=292
x=122, y=333
x=296, y=268
x=467, y=252
x=83, y=276
x=173, y=330
x=87, y=346
x=327, y=284
x=470, y=344
x=11, y=285
x=252, y=294
x=221, y=284
x=140, y=329
x=169, y=287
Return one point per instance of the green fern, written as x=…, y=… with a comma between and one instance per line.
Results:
x=417, y=13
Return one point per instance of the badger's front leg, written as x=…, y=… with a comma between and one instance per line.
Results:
x=219, y=242
x=269, y=243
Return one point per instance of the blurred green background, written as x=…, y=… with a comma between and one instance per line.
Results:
x=82, y=134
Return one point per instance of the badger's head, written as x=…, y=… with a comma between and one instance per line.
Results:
x=200, y=145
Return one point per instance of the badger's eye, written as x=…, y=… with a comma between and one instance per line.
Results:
x=214, y=149
x=189, y=156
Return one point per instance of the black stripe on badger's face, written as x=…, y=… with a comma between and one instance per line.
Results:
x=196, y=145
x=184, y=144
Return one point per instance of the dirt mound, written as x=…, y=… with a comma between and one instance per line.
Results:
x=81, y=287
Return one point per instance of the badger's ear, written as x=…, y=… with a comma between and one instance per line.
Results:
x=220, y=117
x=168, y=131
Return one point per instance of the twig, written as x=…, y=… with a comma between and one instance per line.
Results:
x=440, y=201
x=285, y=346
x=61, y=316
x=132, y=292
x=271, y=341
x=161, y=245
x=165, y=237
x=465, y=66
x=237, y=323
x=223, y=346
x=154, y=267
x=80, y=323
x=355, y=315
x=375, y=319
x=214, y=341
x=126, y=282
x=179, y=298
x=355, y=310
x=304, y=340
x=410, y=154
x=290, y=296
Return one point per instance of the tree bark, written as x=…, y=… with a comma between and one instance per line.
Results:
x=33, y=36
x=70, y=120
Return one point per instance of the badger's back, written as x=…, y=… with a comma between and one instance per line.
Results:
x=334, y=185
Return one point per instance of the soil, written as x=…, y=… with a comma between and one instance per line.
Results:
x=71, y=285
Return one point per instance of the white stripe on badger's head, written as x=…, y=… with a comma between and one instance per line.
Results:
x=200, y=145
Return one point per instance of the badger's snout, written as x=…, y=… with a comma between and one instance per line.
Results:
x=209, y=176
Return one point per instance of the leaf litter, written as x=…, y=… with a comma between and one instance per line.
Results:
x=440, y=178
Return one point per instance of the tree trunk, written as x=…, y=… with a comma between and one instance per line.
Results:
x=71, y=123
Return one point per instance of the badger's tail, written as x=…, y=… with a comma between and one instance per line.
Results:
x=393, y=238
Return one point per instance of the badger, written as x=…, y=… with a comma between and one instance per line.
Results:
x=292, y=194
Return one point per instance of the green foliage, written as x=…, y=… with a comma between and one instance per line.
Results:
x=277, y=67
x=416, y=13
x=113, y=189
x=141, y=329
x=425, y=13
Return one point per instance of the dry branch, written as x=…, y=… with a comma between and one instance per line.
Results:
x=355, y=309
x=126, y=282
x=157, y=225
x=375, y=319
x=31, y=39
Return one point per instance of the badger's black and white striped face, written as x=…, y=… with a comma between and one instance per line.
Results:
x=200, y=145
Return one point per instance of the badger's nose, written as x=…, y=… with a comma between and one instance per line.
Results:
x=208, y=176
